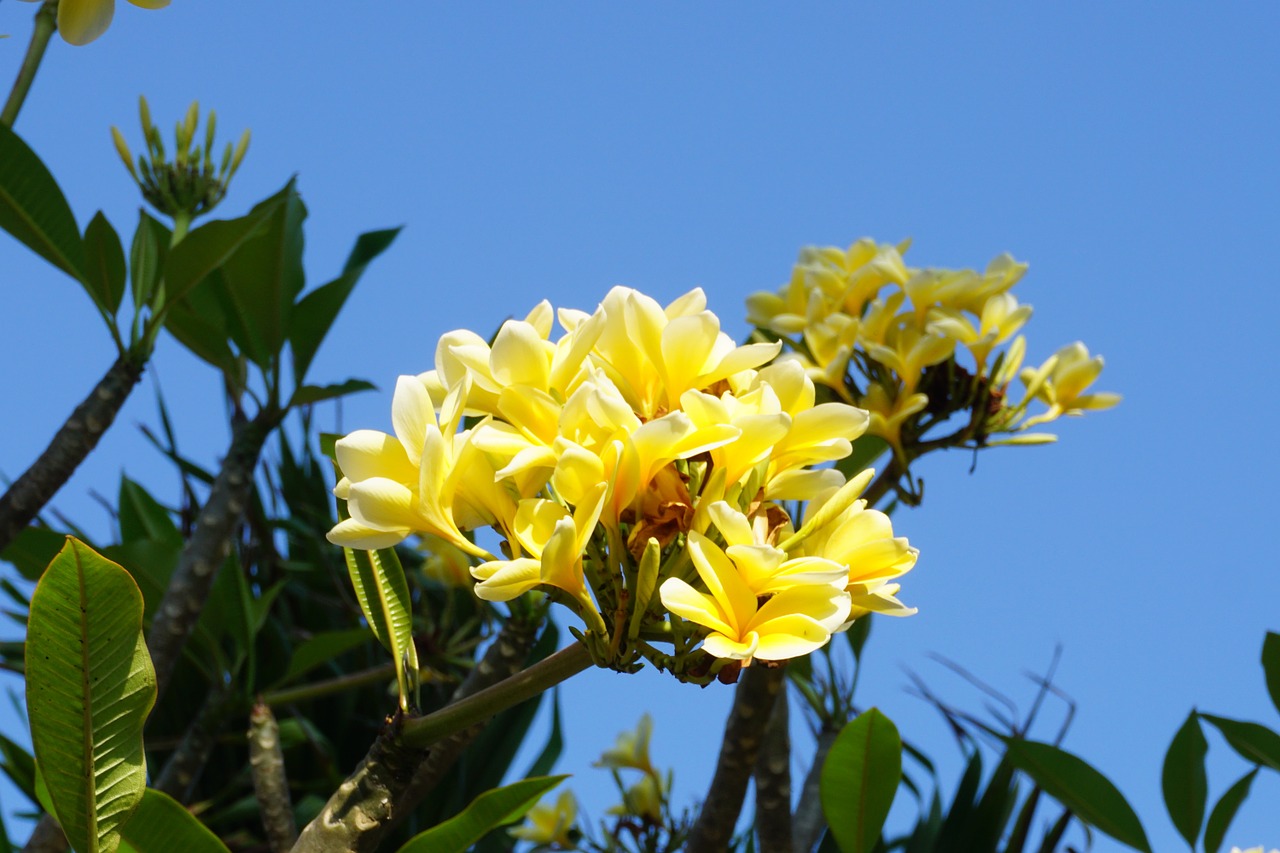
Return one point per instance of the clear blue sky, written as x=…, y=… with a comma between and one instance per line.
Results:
x=1127, y=151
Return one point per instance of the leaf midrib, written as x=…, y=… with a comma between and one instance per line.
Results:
x=90, y=776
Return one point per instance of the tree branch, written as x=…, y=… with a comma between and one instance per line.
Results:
x=773, y=781
x=752, y=705
x=183, y=769
x=808, y=823
x=69, y=447
x=270, y=784
x=208, y=546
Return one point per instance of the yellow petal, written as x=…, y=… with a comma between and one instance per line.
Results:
x=82, y=21
x=687, y=603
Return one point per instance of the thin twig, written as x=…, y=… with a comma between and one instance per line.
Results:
x=270, y=784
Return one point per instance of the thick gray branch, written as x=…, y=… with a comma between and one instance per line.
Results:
x=808, y=823
x=183, y=769
x=207, y=548
x=70, y=446
x=773, y=781
x=752, y=706
x=270, y=784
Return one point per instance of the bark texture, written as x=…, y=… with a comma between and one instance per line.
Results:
x=773, y=781
x=753, y=703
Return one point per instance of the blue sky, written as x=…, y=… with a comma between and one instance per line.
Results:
x=1127, y=151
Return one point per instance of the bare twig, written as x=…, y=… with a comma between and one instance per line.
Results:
x=270, y=784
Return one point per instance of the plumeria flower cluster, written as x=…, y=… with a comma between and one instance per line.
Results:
x=82, y=21
x=916, y=347
x=643, y=470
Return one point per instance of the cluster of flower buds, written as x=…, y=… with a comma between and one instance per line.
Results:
x=919, y=347
x=189, y=185
x=644, y=471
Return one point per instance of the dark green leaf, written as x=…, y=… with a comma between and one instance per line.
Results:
x=90, y=686
x=315, y=313
x=857, y=635
x=490, y=810
x=19, y=766
x=1081, y=789
x=550, y=754
x=32, y=550
x=1254, y=742
x=865, y=451
x=1225, y=812
x=147, y=257
x=323, y=648
x=142, y=516
x=1186, y=790
x=34, y=210
x=162, y=825
x=208, y=247
x=309, y=394
x=859, y=780
x=1271, y=666
x=104, y=264
x=199, y=323
x=263, y=276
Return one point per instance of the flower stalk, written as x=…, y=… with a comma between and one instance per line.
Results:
x=45, y=25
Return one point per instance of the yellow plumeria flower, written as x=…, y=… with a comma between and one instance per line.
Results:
x=1000, y=319
x=642, y=800
x=82, y=21
x=554, y=541
x=631, y=750
x=791, y=623
x=763, y=568
x=551, y=825
x=1061, y=382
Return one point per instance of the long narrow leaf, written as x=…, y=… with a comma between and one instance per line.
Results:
x=383, y=593
x=90, y=686
x=1254, y=742
x=34, y=210
x=1225, y=812
x=1186, y=789
x=490, y=810
x=104, y=264
x=1271, y=666
x=1080, y=788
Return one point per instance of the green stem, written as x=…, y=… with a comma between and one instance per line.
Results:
x=46, y=23
x=307, y=692
x=526, y=684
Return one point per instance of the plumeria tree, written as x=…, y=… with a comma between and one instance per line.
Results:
x=340, y=644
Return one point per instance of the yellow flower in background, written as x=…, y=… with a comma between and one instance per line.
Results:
x=82, y=21
x=642, y=800
x=550, y=825
x=631, y=751
x=1000, y=319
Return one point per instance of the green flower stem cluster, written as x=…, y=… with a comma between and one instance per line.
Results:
x=189, y=185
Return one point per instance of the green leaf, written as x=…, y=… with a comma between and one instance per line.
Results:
x=383, y=593
x=200, y=324
x=33, y=549
x=1254, y=742
x=34, y=210
x=490, y=810
x=550, y=754
x=1186, y=789
x=1225, y=812
x=865, y=451
x=162, y=825
x=308, y=394
x=1081, y=789
x=148, y=255
x=321, y=649
x=1271, y=666
x=90, y=686
x=20, y=766
x=857, y=635
x=142, y=516
x=104, y=264
x=208, y=247
x=859, y=780
x=263, y=277
x=314, y=314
